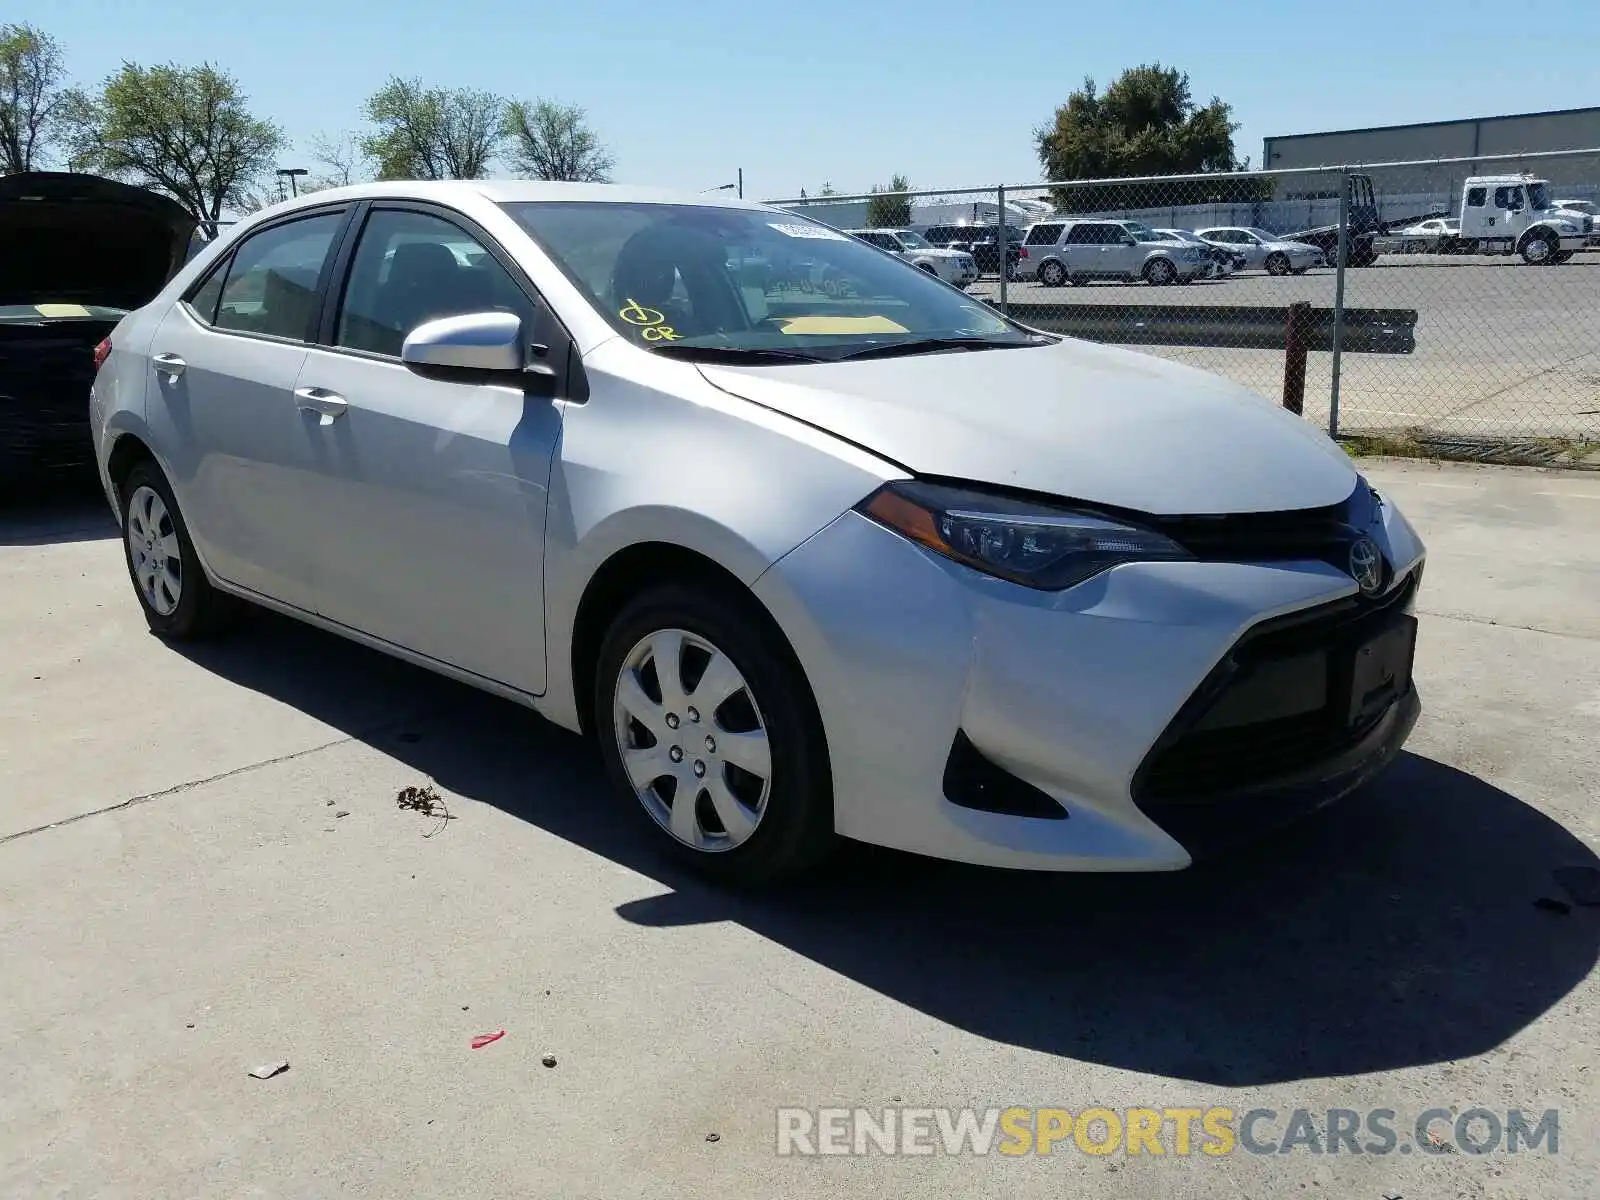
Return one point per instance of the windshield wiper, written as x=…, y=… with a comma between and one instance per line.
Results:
x=934, y=344
x=731, y=354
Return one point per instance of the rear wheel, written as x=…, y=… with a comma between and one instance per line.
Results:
x=1277, y=264
x=177, y=598
x=1052, y=274
x=708, y=723
x=1159, y=272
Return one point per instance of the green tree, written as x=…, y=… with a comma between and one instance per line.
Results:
x=186, y=131
x=433, y=133
x=1145, y=123
x=890, y=207
x=554, y=141
x=33, y=96
x=342, y=161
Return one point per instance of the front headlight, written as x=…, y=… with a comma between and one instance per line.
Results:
x=1035, y=544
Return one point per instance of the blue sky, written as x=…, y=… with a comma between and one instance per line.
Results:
x=800, y=94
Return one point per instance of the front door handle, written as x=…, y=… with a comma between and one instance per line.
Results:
x=169, y=364
x=329, y=406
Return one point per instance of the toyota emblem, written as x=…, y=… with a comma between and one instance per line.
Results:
x=1366, y=565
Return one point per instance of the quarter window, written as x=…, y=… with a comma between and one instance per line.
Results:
x=1044, y=235
x=412, y=267
x=272, y=283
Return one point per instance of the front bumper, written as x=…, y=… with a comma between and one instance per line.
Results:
x=912, y=658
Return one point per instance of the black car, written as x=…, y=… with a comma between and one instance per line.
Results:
x=981, y=241
x=79, y=252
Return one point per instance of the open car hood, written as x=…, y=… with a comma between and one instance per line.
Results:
x=81, y=239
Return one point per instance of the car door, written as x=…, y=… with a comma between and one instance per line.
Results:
x=1081, y=250
x=1124, y=256
x=432, y=491
x=221, y=407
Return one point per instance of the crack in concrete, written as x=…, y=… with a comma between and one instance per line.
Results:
x=1565, y=633
x=176, y=788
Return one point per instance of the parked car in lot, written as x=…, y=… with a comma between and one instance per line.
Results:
x=76, y=253
x=1265, y=251
x=886, y=565
x=1077, y=251
x=952, y=266
x=1225, y=261
x=982, y=242
x=1586, y=208
x=1436, y=235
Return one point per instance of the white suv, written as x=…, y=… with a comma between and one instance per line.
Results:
x=952, y=266
x=1058, y=252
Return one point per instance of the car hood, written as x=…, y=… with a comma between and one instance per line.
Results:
x=1076, y=420
x=82, y=239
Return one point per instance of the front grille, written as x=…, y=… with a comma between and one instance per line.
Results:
x=1307, y=533
x=1275, y=707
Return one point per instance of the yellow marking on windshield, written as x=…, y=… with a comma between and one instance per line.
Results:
x=842, y=325
x=62, y=310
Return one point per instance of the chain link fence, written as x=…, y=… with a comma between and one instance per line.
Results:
x=1448, y=306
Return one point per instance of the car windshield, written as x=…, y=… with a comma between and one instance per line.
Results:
x=913, y=241
x=1183, y=235
x=761, y=282
x=1538, y=195
x=1160, y=235
x=1262, y=234
x=1142, y=232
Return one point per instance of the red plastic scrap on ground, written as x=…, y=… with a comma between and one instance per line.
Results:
x=484, y=1039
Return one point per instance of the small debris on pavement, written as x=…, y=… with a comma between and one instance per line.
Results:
x=427, y=801
x=1391, y=1196
x=1551, y=905
x=464, y=1007
x=485, y=1039
x=549, y=1060
x=268, y=1070
x=1581, y=883
x=330, y=804
x=713, y=1137
x=343, y=812
x=188, y=1025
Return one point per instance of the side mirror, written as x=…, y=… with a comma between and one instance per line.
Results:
x=473, y=342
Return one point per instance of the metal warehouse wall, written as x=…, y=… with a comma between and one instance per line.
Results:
x=1487, y=139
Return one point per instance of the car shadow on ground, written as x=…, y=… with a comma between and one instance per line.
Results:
x=1395, y=929
x=70, y=509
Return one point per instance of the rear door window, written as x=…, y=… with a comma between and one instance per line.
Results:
x=1044, y=235
x=272, y=282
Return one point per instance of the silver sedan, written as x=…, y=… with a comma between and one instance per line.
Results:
x=825, y=550
x=1265, y=251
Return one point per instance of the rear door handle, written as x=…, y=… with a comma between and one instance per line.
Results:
x=169, y=364
x=329, y=406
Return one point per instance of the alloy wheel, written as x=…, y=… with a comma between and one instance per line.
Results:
x=692, y=739
x=153, y=550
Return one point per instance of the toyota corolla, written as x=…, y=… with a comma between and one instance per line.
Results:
x=828, y=550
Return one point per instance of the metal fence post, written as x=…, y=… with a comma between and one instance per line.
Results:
x=1295, y=336
x=1003, y=244
x=1341, y=255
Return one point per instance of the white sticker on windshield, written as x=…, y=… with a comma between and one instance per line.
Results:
x=820, y=232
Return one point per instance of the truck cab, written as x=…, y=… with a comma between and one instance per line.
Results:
x=1515, y=214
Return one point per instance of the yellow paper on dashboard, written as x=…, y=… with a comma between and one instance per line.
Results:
x=842, y=325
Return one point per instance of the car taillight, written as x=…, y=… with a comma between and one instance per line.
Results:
x=101, y=353
x=1022, y=252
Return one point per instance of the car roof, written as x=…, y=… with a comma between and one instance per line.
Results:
x=512, y=191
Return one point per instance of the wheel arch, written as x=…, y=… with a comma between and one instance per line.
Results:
x=630, y=571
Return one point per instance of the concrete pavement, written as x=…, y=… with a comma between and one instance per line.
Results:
x=180, y=901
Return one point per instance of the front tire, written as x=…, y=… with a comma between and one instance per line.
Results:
x=707, y=724
x=1277, y=264
x=178, y=600
x=1539, y=250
